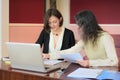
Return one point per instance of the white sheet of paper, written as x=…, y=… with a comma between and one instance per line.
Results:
x=72, y=57
x=85, y=73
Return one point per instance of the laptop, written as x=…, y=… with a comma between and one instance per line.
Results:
x=27, y=56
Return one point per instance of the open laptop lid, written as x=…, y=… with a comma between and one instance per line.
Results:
x=26, y=56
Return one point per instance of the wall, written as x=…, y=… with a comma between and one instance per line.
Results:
x=4, y=27
x=21, y=31
x=26, y=11
x=20, y=12
x=24, y=32
x=106, y=11
x=110, y=28
x=0, y=29
x=26, y=18
x=64, y=7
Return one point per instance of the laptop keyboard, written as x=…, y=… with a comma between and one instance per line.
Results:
x=52, y=62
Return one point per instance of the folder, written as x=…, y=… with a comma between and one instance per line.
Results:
x=109, y=75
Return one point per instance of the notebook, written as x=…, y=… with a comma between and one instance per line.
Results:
x=27, y=56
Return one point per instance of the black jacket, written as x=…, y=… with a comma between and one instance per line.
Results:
x=68, y=40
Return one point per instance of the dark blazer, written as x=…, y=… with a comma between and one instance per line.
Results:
x=68, y=40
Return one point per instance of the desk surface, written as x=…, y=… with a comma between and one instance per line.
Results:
x=74, y=66
x=6, y=73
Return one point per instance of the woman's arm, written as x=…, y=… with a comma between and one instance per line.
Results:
x=75, y=49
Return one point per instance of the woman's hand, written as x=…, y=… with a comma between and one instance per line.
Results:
x=45, y=56
x=84, y=63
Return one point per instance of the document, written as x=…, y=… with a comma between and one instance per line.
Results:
x=72, y=57
x=85, y=73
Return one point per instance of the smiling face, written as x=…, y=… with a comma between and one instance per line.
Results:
x=54, y=23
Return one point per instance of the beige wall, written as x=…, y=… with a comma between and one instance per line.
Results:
x=4, y=27
x=64, y=7
x=0, y=29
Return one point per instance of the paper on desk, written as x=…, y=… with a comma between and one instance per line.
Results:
x=72, y=57
x=85, y=73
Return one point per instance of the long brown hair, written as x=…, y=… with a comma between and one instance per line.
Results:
x=91, y=30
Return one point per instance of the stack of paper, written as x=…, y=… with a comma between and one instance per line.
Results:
x=85, y=73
